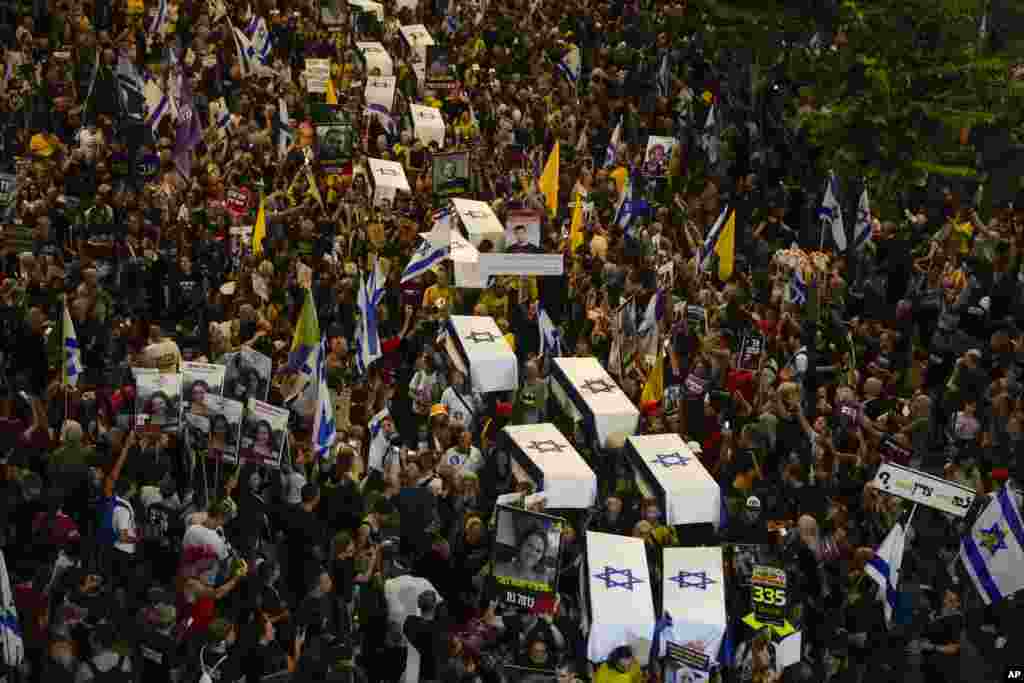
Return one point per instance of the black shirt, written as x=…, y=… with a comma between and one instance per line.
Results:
x=428, y=637
x=158, y=655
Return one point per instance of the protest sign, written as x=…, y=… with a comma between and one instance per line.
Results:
x=157, y=397
x=318, y=71
x=527, y=546
x=451, y=174
x=263, y=434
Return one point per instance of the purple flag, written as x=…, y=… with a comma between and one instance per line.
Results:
x=189, y=131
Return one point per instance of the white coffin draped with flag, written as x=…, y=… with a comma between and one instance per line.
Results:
x=465, y=262
x=427, y=124
x=604, y=407
x=483, y=349
x=388, y=178
x=417, y=39
x=380, y=92
x=376, y=57
x=689, y=495
x=551, y=462
x=480, y=222
x=693, y=590
x=618, y=596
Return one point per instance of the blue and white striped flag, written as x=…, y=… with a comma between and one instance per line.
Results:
x=708, y=248
x=157, y=105
x=993, y=552
x=797, y=288
x=261, y=42
x=157, y=24
x=246, y=53
x=434, y=248
x=613, y=145
x=550, y=337
x=710, y=141
x=569, y=65
x=371, y=291
x=862, y=228
x=324, y=428
x=884, y=568
x=285, y=134
x=379, y=443
x=11, y=643
x=72, y=353
x=831, y=214
x=624, y=211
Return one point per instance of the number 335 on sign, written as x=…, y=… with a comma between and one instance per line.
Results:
x=768, y=596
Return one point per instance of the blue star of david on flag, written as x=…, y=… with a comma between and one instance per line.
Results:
x=993, y=538
x=685, y=579
x=627, y=581
x=671, y=459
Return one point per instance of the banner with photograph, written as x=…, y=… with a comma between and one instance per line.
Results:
x=451, y=174
x=438, y=75
x=522, y=230
x=334, y=135
x=157, y=397
x=225, y=427
x=263, y=434
x=658, y=157
x=247, y=375
x=200, y=381
x=527, y=546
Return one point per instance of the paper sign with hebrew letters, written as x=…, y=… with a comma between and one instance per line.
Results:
x=919, y=487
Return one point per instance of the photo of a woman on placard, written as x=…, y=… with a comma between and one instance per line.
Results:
x=197, y=397
x=262, y=441
x=530, y=562
x=160, y=409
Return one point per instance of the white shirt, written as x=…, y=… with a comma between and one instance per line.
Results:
x=202, y=545
x=461, y=411
x=465, y=462
x=124, y=520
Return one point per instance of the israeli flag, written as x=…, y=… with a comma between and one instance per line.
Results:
x=862, y=228
x=435, y=247
x=159, y=18
x=831, y=214
x=72, y=353
x=884, y=568
x=261, y=42
x=993, y=552
x=324, y=429
x=11, y=643
x=709, y=139
x=708, y=248
x=157, y=105
x=285, y=134
x=613, y=145
x=371, y=291
x=624, y=210
x=797, y=289
x=569, y=65
x=550, y=337
x=246, y=53
x=378, y=441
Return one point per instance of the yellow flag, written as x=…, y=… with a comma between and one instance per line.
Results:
x=576, y=230
x=332, y=97
x=260, y=231
x=654, y=388
x=725, y=248
x=549, y=181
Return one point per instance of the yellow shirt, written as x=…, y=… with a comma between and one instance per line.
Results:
x=961, y=235
x=606, y=674
x=497, y=307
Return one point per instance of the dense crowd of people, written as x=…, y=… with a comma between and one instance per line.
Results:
x=168, y=194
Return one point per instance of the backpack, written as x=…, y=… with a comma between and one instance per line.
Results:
x=116, y=674
x=105, y=532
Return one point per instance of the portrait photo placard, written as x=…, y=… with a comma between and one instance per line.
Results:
x=200, y=381
x=157, y=398
x=527, y=546
x=263, y=434
x=658, y=156
x=451, y=174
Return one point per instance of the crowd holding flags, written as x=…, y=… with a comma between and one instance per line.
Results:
x=549, y=181
x=721, y=242
x=862, y=228
x=434, y=247
x=993, y=551
x=324, y=428
x=72, y=366
x=371, y=291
